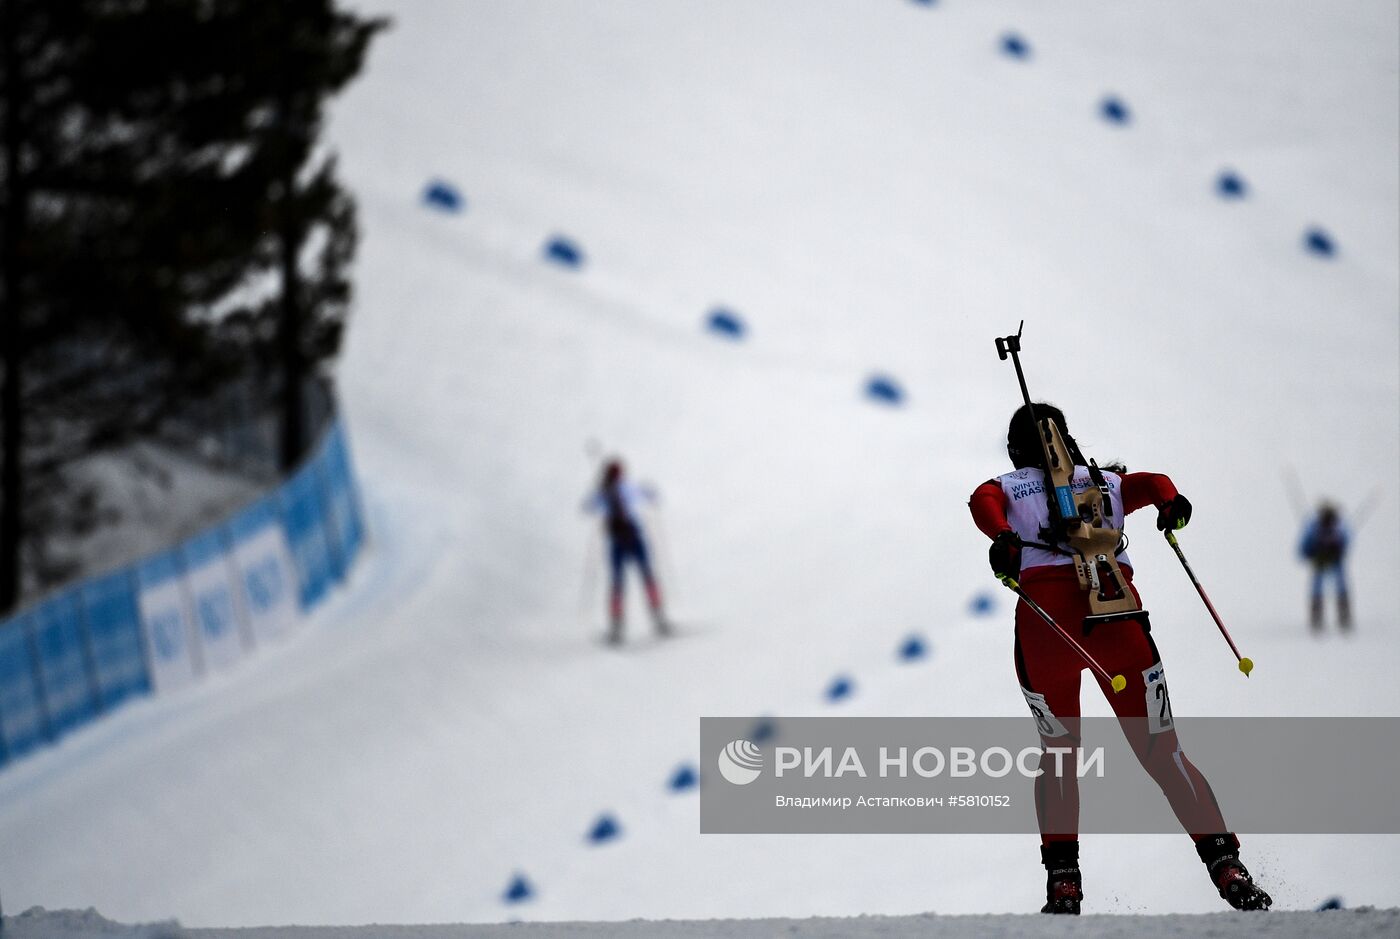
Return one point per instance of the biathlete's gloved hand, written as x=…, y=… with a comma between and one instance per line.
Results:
x=1174, y=515
x=1005, y=555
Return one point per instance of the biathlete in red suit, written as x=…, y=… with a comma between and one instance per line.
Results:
x=1013, y=509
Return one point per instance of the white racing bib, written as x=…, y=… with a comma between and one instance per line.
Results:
x=1045, y=720
x=1028, y=512
x=1159, y=705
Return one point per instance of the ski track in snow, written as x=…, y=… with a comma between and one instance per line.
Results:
x=1346, y=924
x=874, y=192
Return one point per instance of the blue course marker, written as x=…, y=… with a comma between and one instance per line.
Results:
x=518, y=890
x=1014, y=46
x=840, y=688
x=563, y=251
x=982, y=604
x=443, y=196
x=883, y=389
x=913, y=649
x=1331, y=903
x=1114, y=110
x=605, y=829
x=1230, y=185
x=1318, y=242
x=725, y=323
x=764, y=729
x=683, y=779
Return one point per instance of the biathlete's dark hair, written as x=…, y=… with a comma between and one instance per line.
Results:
x=612, y=472
x=1023, y=438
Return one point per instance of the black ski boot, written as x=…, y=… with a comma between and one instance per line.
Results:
x=1220, y=854
x=1064, y=888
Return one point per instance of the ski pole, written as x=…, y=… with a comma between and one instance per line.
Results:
x=1116, y=682
x=1294, y=488
x=1246, y=664
x=585, y=596
x=663, y=545
x=1359, y=517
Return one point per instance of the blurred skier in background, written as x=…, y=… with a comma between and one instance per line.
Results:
x=1324, y=546
x=619, y=502
x=1013, y=511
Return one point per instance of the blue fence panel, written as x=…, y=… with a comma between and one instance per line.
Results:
x=114, y=635
x=264, y=581
x=210, y=582
x=22, y=720
x=342, y=501
x=68, y=690
x=101, y=642
x=252, y=520
x=172, y=649
x=306, y=535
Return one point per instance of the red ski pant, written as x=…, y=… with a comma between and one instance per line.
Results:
x=1049, y=669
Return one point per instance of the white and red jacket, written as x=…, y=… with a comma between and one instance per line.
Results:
x=1016, y=502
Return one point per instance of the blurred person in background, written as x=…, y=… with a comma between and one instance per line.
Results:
x=620, y=502
x=1324, y=547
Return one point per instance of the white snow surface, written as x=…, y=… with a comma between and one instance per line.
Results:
x=39, y=923
x=874, y=188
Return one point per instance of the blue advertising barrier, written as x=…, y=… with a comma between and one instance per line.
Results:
x=173, y=653
x=65, y=676
x=303, y=517
x=23, y=724
x=266, y=580
x=208, y=577
x=114, y=638
x=342, y=505
x=162, y=622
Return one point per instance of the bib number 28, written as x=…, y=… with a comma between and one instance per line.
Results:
x=1159, y=703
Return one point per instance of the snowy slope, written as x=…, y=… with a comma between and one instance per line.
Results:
x=38, y=923
x=874, y=188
